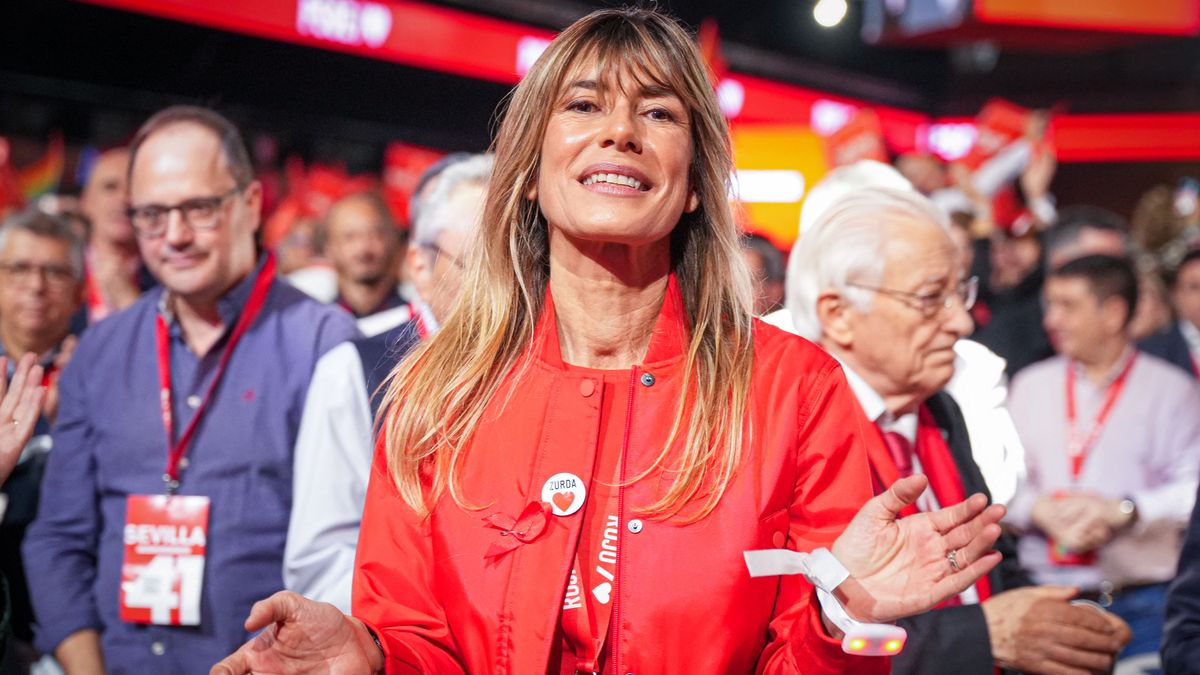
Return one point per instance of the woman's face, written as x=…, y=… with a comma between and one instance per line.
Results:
x=615, y=160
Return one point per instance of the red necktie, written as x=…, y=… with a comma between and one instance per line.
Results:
x=901, y=450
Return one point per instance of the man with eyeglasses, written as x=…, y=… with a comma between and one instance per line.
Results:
x=1112, y=437
x=979, y=385
x=171, y=473
x=877, y=282
x=41, y=271
x=336, y=443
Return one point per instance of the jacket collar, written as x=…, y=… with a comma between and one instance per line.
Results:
x=668, y=343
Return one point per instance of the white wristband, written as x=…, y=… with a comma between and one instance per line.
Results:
x=826, y=573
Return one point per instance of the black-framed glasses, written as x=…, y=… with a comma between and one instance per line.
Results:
x=438, y=251
x=198, y=213
x=56, y=276
x=934, y=303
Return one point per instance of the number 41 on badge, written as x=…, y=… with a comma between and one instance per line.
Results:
x=165, y=542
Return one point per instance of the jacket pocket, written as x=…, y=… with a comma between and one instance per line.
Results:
x=773, y=530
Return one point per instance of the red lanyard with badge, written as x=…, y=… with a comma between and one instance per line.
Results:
x=166, y=535
x=588, y=602
x=1079, y=446
x=591, y=590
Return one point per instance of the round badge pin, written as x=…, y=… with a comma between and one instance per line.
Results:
x=564, y=492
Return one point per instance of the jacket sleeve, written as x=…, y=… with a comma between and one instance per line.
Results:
x=833, y=482
x=947, y=641
x=393, y=583
x=329, y=482
x=60, y=548
x=1181, y=631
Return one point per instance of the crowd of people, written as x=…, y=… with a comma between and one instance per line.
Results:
x=534, y=428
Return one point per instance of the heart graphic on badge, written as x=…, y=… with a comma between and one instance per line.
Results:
x=563, y=500
x=565, y=493
x=603, y=593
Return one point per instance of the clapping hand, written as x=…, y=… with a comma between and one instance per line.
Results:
x=903, y=567
x=20, y=407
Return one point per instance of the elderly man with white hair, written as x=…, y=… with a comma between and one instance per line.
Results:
x=878, y=284
x=979, y=385
x=335, y=445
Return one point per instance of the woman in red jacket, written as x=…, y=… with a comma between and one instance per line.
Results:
x=573, y=466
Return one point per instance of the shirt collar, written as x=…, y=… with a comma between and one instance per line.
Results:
x=1113, y=373
x=1191, y=335
x=875, y=408
x=229, y=306
x=422, y=310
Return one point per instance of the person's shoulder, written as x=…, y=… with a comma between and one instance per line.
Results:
x=787, y=354
x=298, y=306
x=402, y=334
x=115, y=330
x=1160, y=343
x=1041, y=371
x=1163, y=373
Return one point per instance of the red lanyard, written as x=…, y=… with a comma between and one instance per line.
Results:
x=1078, y=446
x=250, y=312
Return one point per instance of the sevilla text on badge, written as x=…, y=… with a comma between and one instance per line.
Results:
x=564, y=492
x=166, y=539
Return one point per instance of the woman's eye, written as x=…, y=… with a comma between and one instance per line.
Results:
x=581, y=106
x=661, y=115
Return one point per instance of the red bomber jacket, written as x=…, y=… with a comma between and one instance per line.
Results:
x=684, y=601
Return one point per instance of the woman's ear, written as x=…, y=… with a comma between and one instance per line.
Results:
x=693, y=202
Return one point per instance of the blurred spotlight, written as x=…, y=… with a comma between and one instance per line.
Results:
x=829, y=13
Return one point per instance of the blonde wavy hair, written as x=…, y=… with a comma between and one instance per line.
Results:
x=437, y=396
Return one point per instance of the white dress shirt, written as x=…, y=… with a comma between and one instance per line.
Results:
x=332, y=466
x=1191, y=335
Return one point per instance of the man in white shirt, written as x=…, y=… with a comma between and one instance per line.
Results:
x=335, y=446
x=1112, y=438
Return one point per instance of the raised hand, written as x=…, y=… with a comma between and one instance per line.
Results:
x=302, y=636
x=20, y=406
x=903, y=567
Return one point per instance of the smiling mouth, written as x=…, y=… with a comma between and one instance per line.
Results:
x=615, y=179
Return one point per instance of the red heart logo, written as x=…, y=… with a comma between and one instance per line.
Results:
x=563, y=500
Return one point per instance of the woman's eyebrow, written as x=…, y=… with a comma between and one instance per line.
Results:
x=645, y=91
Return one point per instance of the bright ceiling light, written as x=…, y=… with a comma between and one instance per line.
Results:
x=829, y=13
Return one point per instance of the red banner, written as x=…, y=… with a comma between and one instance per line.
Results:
x=402, y=31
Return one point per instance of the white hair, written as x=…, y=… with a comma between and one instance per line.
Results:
x=845, y=180
x=845, y=246
x=435, y=216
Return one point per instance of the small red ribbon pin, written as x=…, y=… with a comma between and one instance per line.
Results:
x=529, y=526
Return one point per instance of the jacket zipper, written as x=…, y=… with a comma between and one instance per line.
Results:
x=616, y=609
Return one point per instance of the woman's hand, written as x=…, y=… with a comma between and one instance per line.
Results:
x=20, y=407
x=903, y=567
x=302, y=636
